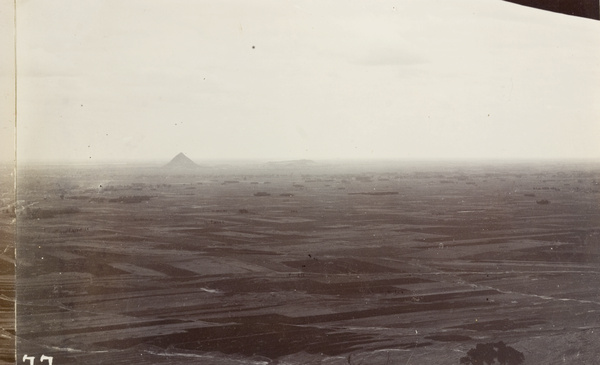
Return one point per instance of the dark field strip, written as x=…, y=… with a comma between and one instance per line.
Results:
x=338, y=266
x=567, y=237
x=501, y=325
x=275, y=335
x=564, y=253
x=201, y=310
x=269, y=340
x=487, y=236
x=405, y=308
x=103, y=328
x=169, y=270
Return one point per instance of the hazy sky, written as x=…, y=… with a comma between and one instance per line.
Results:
x=289, y=79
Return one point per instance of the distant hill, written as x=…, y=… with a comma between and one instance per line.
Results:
x=181, y=161
x=291, y=163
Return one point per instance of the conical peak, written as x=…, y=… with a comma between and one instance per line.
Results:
x=181, y=160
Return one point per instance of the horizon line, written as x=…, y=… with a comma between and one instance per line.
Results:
x=162, y=162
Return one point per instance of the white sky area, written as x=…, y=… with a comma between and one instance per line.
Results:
x=330, y=79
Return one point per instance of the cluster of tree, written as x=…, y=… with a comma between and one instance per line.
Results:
x=79, y=197
x=38, y=213
x=376, y=193
x=489, y=353
x=130, y=199
x=11, y=210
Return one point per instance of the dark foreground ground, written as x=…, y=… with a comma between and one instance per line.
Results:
x=363, y=264
x=7, y=266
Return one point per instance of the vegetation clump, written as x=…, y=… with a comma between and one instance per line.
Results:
x=78, y=197
x=376, y=193
x=11, y=210
x=489, y=353
x=38, y=213
x=130, y=199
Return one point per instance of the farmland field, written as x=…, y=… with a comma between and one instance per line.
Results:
x=7, y=266
x=364, y=263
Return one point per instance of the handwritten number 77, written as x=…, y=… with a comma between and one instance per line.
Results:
x=43, y=358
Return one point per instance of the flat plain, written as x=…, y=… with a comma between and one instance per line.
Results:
x=7, y=266
x=308, y=263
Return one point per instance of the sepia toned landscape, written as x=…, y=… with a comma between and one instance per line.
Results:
x=303, y=262
x=371, y=183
